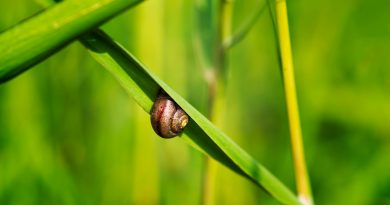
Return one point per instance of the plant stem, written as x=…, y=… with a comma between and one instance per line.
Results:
x=216, y=85
x=301, y=175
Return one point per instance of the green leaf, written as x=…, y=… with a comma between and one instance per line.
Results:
x=35, y=39
x=143, y=86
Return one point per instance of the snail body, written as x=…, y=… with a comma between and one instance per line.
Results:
x=167, y=118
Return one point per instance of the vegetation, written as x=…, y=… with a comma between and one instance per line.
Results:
x=69, y=134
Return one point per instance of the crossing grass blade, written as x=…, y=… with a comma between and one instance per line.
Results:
x=143, y=86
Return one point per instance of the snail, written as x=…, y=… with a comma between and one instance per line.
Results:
x=167, y=118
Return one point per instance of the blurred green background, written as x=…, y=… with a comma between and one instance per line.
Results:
x=69, y=134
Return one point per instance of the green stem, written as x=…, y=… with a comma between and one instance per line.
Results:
x=301, y=175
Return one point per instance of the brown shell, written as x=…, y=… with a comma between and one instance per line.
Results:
x=167, y=118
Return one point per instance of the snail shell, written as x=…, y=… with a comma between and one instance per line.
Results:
x=167, y=118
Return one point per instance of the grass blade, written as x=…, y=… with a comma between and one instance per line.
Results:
x=201, y=133
x=35, y=39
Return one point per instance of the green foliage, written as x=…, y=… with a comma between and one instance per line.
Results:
x=70, y=135
x=135, y=78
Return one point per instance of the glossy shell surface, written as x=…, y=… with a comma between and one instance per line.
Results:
x=167, y=118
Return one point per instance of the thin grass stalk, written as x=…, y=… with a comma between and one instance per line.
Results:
x=301, y=175
x=216, y=86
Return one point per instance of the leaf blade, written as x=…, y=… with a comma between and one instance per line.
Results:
x=36, y=38
x=200, y=131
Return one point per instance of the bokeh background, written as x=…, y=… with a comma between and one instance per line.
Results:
x=69, y=134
